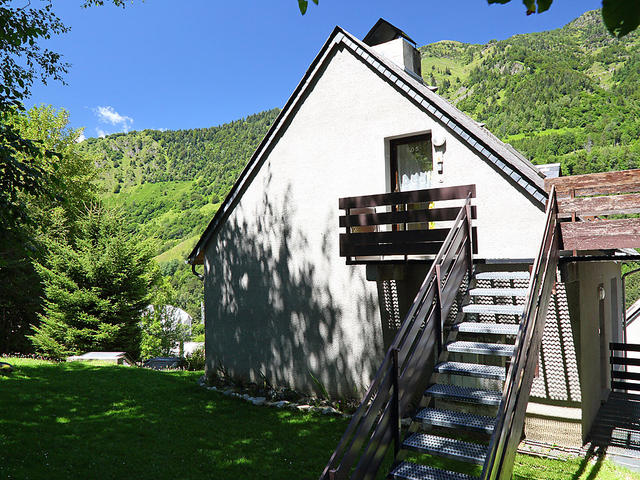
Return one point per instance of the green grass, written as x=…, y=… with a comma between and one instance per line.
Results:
x=542, y=133
x=180, y=251
x=533, y=468
x=77, y=420
x=106, y=422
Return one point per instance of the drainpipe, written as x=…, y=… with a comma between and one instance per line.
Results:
x=201, y=277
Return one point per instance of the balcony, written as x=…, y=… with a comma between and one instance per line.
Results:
x=402, y=226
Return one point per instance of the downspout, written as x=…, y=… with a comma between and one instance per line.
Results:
x=201, y=277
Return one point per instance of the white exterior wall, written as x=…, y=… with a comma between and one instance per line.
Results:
x=279, y=299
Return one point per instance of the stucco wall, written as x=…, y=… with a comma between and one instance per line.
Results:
x=592, y=348
x=279, y=300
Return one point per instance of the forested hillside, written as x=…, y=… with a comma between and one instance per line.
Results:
x=170, y=183
x=569, y=95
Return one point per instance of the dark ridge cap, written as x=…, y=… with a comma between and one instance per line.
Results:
x=383, y=32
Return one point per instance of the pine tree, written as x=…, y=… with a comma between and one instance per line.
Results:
x=96, y=288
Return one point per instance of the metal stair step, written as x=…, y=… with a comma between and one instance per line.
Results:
x=414, y=471
x=493, y=309
x=493, y=328
x=464, y=394
x=520, y=275
x=480, y=348
x=446, y=447
x=498, y=292
x=453, y=419
x=471, y=370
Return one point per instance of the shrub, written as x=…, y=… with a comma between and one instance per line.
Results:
x=196, y=359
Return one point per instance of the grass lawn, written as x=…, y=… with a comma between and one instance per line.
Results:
x=73, y=420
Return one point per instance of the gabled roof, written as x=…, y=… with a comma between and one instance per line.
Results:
x=505, y=159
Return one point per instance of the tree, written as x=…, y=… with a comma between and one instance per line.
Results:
x=620, y=16
x=303, y=4
x=41, y=193
x=96, y=286
x=162, y=327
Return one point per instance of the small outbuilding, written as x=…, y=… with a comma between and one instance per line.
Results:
x=116, y=358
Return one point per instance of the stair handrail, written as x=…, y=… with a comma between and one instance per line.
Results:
x=403, y=369
x=511, y=412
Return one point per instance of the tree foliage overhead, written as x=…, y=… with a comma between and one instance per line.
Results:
x=620, y=16
x=96, y=286
x=22, y=59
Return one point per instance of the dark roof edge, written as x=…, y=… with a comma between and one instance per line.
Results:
x=369, y=37
x=198, y=249
x=517, y=168
x=514, y=165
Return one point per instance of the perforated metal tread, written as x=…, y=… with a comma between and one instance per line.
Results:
x=498, y=292
x=494, y=309
x=492, y=328
x=452, y=419
x=446, y=447
x=471, y=370
x=521, y=275
x=414, y=471
x=480, y=348
x=464, y=394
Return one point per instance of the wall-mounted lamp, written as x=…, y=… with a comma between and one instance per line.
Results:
x=601, y=292
x=438, y=139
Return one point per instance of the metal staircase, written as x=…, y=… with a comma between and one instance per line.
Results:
x=480, y=341
x=465, y=383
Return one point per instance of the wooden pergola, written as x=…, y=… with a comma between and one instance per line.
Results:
x=583, y=201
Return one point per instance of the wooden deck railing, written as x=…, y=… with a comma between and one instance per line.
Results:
x=620, y=378
x=510, y=419
x=376, y=423
x=402, y=229
x=582, y=198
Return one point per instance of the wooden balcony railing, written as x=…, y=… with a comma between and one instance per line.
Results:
x=585, y=199
x=395, y=226
x=621, y=377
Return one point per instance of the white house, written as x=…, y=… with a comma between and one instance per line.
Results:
x=282, y=301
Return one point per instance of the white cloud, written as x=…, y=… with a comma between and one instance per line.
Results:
x=109, y=115
x=101, y=133
x=81, y=138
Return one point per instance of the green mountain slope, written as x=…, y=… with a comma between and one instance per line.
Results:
x=569, y=95
x=170, y=184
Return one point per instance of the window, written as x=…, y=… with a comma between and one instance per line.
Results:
x=411, y=163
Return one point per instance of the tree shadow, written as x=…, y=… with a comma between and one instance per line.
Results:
x=280, y=302
x=73, y=421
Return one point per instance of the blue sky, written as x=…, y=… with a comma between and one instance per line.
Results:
x=171, y=64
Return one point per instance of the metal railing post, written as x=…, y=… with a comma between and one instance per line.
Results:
x=395, y=401
x=470, y=235
x=440, y=320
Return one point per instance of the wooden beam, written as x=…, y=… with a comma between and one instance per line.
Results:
x=422, y=215
x=605, y=183
x=601, y=234
x=592, y=206
x=459, y=192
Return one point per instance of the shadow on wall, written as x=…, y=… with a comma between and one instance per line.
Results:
x=558, y=381
x=280, y=303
